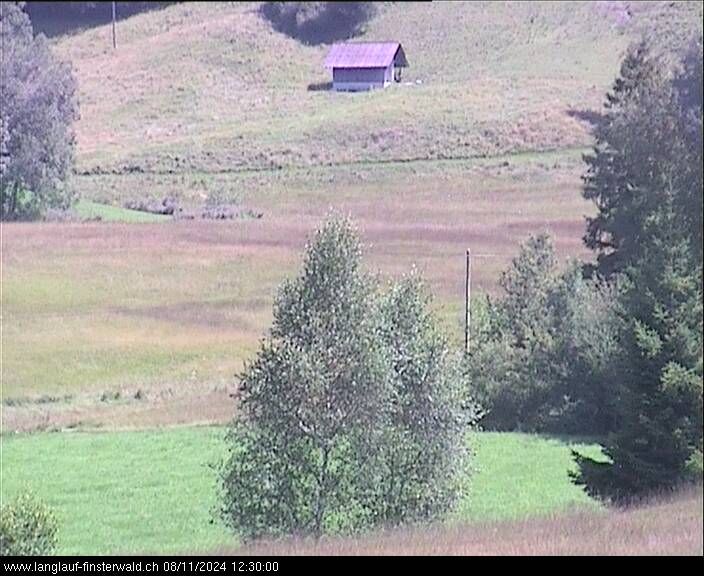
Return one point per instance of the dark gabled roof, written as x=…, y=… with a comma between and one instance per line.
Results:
x=365, y=55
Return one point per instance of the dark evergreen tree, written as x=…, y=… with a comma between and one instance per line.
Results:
x=688, y=85
x=646, y=180
x=659, y=397
x=638, y=153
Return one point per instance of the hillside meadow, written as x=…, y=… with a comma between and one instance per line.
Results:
x=210, y=87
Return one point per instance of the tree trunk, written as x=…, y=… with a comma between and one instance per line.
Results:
x=321, y=500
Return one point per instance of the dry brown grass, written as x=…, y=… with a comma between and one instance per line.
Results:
x=194, y=406
x=172, y=310
x=671, y=526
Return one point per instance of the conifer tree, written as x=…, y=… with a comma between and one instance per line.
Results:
x=648, y=192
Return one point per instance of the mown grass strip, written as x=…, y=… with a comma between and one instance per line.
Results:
x=88, y=210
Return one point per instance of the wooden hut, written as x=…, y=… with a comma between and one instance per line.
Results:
x=365, y=65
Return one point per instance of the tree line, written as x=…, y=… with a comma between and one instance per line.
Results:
x=614, y=348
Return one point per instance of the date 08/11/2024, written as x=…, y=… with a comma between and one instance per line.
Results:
x=221, y=566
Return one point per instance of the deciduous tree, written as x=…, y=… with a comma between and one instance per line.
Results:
x=351, y=414
x=38, y=104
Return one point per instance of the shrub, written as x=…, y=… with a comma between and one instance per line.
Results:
x=27, y=527
x=318, y=22
x=542, y=353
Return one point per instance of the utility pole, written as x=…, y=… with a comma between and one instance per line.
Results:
x=467, y=296
x=114, y=42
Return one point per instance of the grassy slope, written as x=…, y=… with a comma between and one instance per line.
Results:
x=155, y=490
x=211, y=87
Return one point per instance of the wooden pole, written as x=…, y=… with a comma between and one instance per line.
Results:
x=467, y=297
x=114, y=42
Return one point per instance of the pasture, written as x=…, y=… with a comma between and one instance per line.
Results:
x=212, y=88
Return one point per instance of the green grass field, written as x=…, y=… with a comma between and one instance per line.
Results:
x=155, y=491
x=521, y=475
x=87, y=210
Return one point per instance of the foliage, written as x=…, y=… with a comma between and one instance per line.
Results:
x=419, y=473
x=541, y=353
x=27, y=527
x=659, y=365
x=659, y=402
x=311, y=400
x=38, y=105
x=328, y=391
x=513, y=367
x=318, y=22
x=643, y=150
x=588, y=328
x=688, y=87
x=695, y=468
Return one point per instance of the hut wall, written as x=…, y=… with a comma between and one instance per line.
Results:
x=361, y=78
